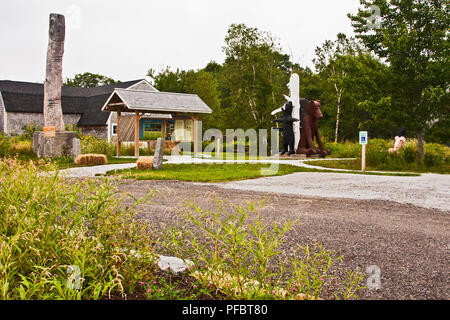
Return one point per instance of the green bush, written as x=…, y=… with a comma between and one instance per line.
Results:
x=5, y=145
x=152, y=135
x=91, y=144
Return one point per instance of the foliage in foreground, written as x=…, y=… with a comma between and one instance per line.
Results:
x=66, y=239
x=239, y=255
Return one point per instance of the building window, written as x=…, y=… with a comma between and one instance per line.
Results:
x=114, y=129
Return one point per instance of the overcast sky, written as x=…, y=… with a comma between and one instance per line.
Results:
x=123, y=39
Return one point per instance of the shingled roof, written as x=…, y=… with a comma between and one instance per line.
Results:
x=29, y=97
x=139, y=100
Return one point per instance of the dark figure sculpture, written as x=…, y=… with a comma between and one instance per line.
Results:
x=310, y=130
x=288, y=130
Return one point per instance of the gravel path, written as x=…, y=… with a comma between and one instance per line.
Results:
x=427, y=190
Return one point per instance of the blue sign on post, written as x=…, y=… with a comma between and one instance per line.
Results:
x=363, y=137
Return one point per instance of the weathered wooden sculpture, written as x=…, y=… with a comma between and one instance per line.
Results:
x=53, y=116
x=288, y=128
x=310, y=130
x=54, y=141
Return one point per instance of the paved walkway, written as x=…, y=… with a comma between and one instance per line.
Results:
x=426, y=190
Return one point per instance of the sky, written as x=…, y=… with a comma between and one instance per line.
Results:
x=124, y=39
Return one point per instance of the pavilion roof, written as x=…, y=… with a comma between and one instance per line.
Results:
x=156, y=102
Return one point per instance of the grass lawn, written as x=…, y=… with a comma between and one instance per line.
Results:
x=356, y=165
x=216, y=172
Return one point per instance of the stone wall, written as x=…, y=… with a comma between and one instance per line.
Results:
x=99, y=132
x=17, y=120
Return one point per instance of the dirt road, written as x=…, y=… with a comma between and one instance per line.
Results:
x=410, y=245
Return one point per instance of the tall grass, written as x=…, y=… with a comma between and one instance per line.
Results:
x=63, y=239
x=436, y=157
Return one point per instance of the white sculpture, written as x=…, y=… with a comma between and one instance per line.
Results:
x=294, y=89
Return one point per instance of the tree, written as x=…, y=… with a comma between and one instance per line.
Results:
x=253, y=77
x=88, y=80
x=199, y=82
x=331, y=64
x=412, y=36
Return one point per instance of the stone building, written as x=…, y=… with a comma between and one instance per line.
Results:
x=21, y=104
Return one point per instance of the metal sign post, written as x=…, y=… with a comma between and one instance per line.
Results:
x=363, y=139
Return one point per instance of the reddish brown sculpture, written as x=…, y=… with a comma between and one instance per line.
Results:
x=310, y=130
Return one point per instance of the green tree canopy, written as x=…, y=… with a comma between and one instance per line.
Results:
x=412, y=36
x=88, y=80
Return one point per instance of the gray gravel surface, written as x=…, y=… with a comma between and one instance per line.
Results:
x=427, y=190
x=410, y=244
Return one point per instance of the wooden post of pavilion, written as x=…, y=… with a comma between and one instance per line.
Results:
x=136, y=134
x=117, y=135
x=195, y=135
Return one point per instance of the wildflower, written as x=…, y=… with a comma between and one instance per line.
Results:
x=154, y=282
x=150, y=291
x=195, y=286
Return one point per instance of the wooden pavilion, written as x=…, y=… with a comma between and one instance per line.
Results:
x=132, y=105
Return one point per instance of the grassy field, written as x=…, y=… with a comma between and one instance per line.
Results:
x=219, y=172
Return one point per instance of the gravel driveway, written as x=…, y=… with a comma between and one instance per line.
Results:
x=427, y=190
x=409, y=244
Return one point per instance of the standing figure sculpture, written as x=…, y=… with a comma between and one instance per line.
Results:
x=310, y=130
x=294, y=99
x=288, y=128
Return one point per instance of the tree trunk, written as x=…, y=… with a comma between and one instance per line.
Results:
x=53, y=116
x=338, y=113
x=420, y=144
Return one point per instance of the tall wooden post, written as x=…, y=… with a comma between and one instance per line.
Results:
x=53, y=116
x=363, y=159
x=195, y=133
x=118, y=135
x=136, y=134
x=163, y=130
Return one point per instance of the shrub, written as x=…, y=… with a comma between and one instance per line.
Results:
x=67, y=239
x=5, y=145
x=91, y=159
x=94, y=145
x=152, y=135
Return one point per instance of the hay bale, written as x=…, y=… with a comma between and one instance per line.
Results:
x=91, y=159
x=144, y=163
